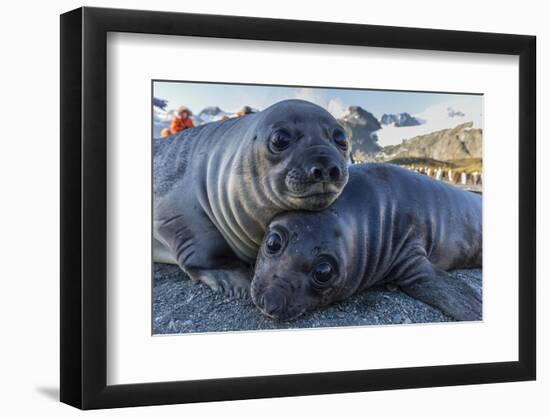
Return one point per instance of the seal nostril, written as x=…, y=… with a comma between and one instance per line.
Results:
x=335, y=173
x=316, y=173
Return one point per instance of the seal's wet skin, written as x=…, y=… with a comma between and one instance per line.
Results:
x=389, y=225
x=216, y=187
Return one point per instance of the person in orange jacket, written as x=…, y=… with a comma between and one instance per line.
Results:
x=182, y=120
x=164, y=133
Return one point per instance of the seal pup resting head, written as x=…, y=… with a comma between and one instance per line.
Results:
x=389, y=225
x=217, y=186
x=300, y=153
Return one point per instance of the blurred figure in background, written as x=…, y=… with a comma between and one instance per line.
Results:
x=164, y=133
x=182, y=120
x=244, y=111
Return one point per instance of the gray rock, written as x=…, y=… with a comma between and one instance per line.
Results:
x=181, y=306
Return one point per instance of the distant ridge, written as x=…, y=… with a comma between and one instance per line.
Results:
x=461, y=142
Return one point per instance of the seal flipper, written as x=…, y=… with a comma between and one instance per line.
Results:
x=433, y=286
x=161, y=254
x=202, y=253
x=233, y=281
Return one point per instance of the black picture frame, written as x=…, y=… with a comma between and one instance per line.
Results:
x=84, y=207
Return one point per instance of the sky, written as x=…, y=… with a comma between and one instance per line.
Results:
x=430, y=106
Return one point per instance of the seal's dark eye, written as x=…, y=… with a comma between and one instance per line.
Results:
x=340, y=138
x=280, y=139
x=274, y=242
x=322, y=274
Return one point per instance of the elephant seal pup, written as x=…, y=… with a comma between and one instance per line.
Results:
x=389, y=225
x=217, y=186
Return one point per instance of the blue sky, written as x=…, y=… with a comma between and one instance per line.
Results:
x=231, y=97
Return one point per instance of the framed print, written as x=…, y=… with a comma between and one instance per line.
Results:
x=355, y=203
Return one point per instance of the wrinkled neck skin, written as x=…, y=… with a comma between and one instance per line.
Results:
x=353, y=254
x=366, y=243
x=241, y=199
x=377, y=245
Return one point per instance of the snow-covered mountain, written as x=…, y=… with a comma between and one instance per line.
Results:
x=440, y=133
x=433, y=119
x=400, y=120
x=459, y=142
x=454, y=113
x=163, y=117
x=361, y=127
x=160, y=103
x=212, y=114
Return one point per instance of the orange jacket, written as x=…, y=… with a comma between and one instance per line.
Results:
x=178, y=124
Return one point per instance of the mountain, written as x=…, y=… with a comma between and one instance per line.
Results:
x=454, y=113
x=214, y=113
x=461, y=142
x=160, y=103
x=161, y=119
x=361, y=126
x=211, y=111
x=211, y=114
x=400, y=120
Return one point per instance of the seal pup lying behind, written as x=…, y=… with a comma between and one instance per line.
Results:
x=389, y=225
x=217, y=186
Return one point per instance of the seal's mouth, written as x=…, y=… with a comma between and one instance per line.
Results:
x=283, y=313
x=323, y=194
x=316, y=190
x=286, y=316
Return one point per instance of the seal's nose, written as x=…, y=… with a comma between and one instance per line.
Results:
x=273, y=302
x=319, y=172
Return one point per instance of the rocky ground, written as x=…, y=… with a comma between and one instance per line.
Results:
x=180, y=306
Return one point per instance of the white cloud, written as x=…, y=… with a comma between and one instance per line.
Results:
x=334, y=106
